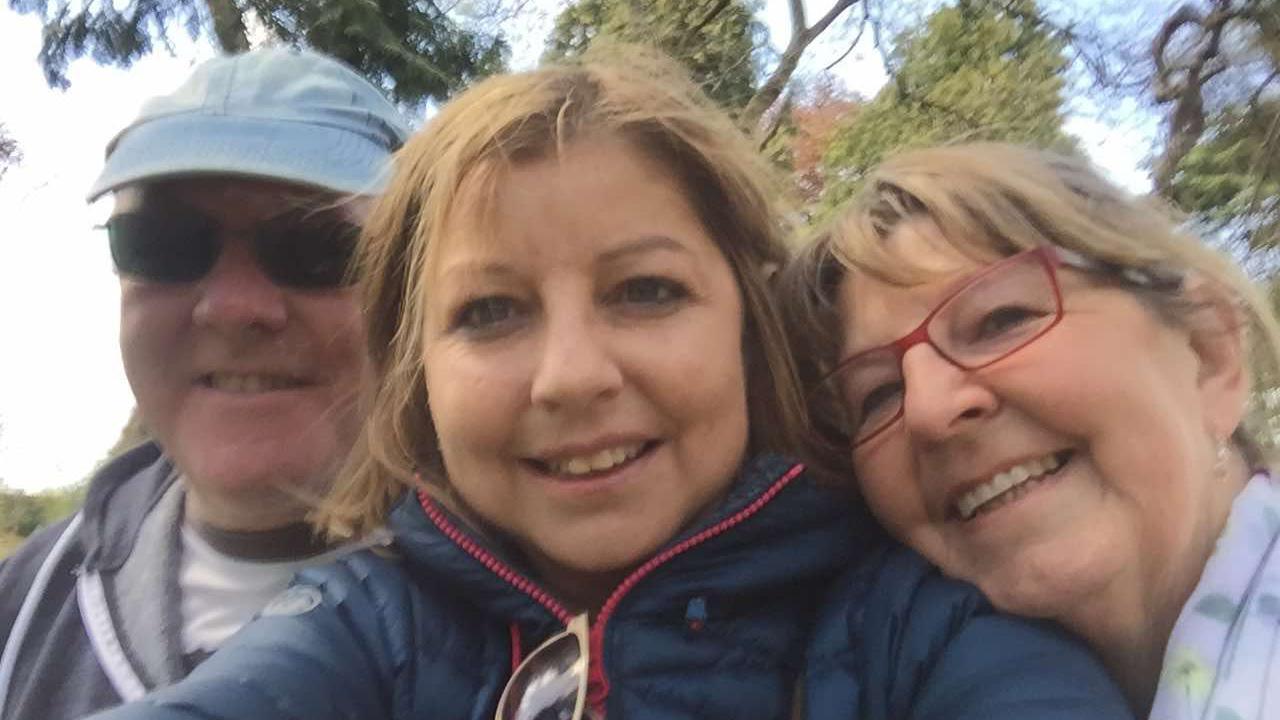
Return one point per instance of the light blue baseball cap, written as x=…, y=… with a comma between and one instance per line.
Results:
x=275, y=113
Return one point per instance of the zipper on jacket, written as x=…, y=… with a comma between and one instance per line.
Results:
x=494, y=565
x=597, y=681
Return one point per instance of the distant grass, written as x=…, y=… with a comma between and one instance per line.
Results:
x=8, y=543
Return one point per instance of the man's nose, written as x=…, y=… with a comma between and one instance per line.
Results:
x=237, y=295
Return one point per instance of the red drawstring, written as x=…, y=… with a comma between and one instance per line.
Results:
x=516, y=652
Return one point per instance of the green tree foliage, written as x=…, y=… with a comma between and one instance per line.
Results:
x=716, y=41
x=20, y=513
x=975, y=71
x=1230, y=180
x=23, y=513
x=413, y=50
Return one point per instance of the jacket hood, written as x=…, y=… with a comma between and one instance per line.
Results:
x=775, y=525
x=120, y=496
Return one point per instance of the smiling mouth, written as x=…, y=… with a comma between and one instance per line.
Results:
x=249, y=383
x=592, y=465
x=1006, y=487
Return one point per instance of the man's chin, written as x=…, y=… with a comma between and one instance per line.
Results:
x=243, y=502
x=255, y=477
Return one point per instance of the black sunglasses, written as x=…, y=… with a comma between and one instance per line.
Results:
x=304, y=248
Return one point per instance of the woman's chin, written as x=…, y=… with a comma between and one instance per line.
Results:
x=1042, y=585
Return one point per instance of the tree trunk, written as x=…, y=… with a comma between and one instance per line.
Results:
x=228, y=25
x=801, y=38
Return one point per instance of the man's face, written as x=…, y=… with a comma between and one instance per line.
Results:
x=248, y=384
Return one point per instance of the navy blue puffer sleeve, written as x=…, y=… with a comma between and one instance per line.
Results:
x=350, y=641
x=899, y=641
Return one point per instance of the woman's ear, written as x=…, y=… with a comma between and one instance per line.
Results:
x=1218, y=338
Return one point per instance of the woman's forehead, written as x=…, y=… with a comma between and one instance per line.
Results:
x=920, y=244
x=924, y=268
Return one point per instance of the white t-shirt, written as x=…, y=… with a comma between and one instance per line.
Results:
x=220, y=593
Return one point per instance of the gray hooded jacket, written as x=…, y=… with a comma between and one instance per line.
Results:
x=89, y=607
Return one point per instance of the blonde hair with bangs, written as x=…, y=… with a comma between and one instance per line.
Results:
x=510, y=119
x=992, y=200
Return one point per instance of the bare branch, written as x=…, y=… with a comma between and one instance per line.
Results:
x=801, y=37
x=1181, y=82
x=878, y=40
x=1252, y=105
x=798, y=23
x=775, y=122
x=862, y=25
x=819, y=27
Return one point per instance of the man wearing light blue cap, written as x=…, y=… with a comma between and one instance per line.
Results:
x=237, y=202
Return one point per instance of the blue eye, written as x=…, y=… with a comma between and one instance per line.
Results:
x=650, y=290
x=485, y=314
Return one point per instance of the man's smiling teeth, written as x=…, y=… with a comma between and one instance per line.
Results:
x=1001, y=483
x=247, y=384
x=606, y=459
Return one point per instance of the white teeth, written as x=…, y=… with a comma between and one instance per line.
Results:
x=247, y=384
x=596, y=462
x=1003, y=482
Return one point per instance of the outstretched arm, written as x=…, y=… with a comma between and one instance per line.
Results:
x=318, y=652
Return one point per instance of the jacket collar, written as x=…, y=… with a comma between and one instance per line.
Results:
x=774, y=523
x=120, y=496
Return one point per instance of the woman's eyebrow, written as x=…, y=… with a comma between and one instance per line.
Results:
x=641, y=245
x=465, y=268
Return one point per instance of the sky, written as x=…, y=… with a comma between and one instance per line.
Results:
x=63, y=393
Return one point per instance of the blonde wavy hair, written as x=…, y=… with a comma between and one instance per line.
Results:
x=991, y=200
x=517, y=118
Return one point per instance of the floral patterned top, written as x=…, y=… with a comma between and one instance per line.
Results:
x=1223, y=658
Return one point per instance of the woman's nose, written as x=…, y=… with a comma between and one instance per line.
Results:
x=941, y=399
x=576, y=365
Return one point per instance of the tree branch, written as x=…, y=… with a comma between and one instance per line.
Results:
x=862, y=25
x=801, y=37
x=1182, y=83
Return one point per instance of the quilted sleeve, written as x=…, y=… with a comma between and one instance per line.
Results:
x=898, y=640
x=320, y=651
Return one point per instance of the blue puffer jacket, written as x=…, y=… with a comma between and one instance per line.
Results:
x=715, y=625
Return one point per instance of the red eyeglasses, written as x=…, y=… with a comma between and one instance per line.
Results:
x=994, y=314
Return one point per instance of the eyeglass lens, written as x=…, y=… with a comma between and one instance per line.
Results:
x=549, y=684
x=996, y=314
x=298, y=249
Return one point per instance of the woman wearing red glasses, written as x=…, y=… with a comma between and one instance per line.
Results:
x=582, y=392
x=1042, y=385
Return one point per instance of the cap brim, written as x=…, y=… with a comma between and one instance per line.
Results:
x=325, y=157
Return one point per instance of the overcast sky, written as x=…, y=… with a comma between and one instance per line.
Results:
x=63, y=395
